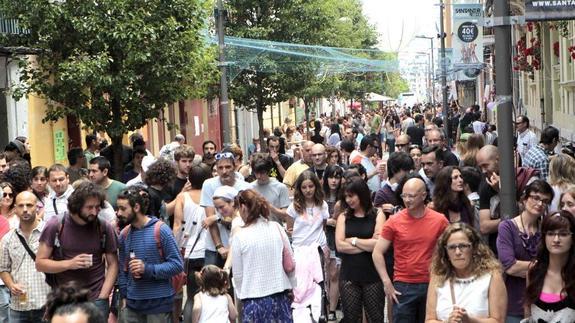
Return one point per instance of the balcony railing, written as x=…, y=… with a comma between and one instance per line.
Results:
x=10, y=26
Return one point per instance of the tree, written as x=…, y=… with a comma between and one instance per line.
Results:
x=114, y=64
x=333, y=23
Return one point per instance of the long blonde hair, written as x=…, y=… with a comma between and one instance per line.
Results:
x=482, y=260
x=561, y=170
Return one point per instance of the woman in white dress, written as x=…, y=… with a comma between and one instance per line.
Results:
x=466, y=280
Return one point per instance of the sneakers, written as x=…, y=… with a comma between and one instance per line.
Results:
x=331, y=317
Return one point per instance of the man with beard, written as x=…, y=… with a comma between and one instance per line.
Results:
x=145, y=274
x=217, y=242
x=17, y=268
x=209, y=150
x=80, y=247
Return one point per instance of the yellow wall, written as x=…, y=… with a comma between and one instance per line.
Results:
x=41, y=135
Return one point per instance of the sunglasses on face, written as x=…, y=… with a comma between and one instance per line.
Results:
x=9, y=195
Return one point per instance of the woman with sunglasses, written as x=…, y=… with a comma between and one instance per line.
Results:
x=466, y=279
x=550, y=293
x=517, y=243
x=7, y=204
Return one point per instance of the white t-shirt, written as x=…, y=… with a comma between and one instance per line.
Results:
x=214, y=309
x=308, y=227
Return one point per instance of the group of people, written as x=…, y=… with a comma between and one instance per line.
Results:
x=376, y=213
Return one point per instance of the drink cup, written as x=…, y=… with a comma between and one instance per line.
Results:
x=91, y=260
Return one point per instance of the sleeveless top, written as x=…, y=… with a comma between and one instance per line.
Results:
x=561, y=311
x=214, y=309
x=471, y=293
x=359, y=267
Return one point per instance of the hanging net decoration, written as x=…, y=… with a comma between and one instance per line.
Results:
x=277, y=57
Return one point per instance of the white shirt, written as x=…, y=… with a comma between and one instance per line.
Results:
x=56, y=205
x=308, y=227
x=525, y=141
x=473, y=296
x=214, y=309
x=257, y=260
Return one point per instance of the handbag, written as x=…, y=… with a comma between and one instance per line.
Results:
x=288, y=260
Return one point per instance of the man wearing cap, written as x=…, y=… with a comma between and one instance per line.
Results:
x=526, y=138
x=216, y=253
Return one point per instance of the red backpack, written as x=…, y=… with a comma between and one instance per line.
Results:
x=180, y=279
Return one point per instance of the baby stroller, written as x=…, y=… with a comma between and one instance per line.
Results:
x=310, y=303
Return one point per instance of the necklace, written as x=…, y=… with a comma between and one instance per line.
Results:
x=525, y=231
x=465, y=281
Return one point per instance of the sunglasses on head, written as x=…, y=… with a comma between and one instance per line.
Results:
x=226, y=155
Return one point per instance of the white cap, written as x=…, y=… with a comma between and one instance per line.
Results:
x=227, y=192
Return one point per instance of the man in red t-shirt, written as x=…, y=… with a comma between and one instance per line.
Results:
x=413, y=232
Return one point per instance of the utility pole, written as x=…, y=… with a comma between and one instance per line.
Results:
x=444, y=105
x=224, y=102
x=504, y=98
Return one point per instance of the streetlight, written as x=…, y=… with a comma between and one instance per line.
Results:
x=432, y=68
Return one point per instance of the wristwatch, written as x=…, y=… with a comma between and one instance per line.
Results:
x=353, y=241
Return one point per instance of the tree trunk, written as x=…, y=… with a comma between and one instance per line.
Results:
x=306, y=112
x=260, y=116
x=117, y=148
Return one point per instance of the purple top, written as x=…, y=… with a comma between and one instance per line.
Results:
x=512, y=245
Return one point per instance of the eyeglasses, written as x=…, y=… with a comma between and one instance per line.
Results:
x=536, y=199
x=226, y=155
x=561, y=234
x=9, y=195
x=400, y=145
x=460, y=246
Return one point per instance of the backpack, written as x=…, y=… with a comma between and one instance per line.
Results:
x=525, y=175
x=51, y=278
x=179, y=280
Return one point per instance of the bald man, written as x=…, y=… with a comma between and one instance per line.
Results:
x=412, y=256
x=17, y=267
x=402, y=143
x=319, y=159
x=299, y=166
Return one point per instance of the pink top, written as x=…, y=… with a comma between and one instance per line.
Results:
x=550, y=297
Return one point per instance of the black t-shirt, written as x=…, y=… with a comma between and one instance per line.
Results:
x=416, y=135
x=172, y=191
x=317, y=138
x=486, y=193
x=286, y=162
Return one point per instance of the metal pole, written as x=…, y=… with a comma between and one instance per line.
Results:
x=224, y=109
x=432, y=77
x=504, y=92
x=443, y=69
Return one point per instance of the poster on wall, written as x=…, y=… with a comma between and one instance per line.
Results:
x=59, y=146
x=549, y=9
x=467, y=40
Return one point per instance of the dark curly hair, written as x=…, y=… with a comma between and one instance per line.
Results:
x=69, y=299
x=18, y=175
x=136, y=195
x=445, y=199
x=561, y=220
x=162, y=172
x=83, y=192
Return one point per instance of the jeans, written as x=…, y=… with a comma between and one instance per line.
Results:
x=4, y=304
x=104, y=306
x=33, y=316
x=214, y=258
x=129, y=316
x=412, y=301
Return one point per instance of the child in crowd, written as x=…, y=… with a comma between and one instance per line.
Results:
x=213, y=303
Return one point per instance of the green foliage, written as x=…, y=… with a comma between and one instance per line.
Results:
x=114, y=64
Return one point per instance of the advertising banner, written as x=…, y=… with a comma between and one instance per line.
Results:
x=467, y=40
x=549, y=9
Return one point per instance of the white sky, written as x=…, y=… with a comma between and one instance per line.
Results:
x=398, y=21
